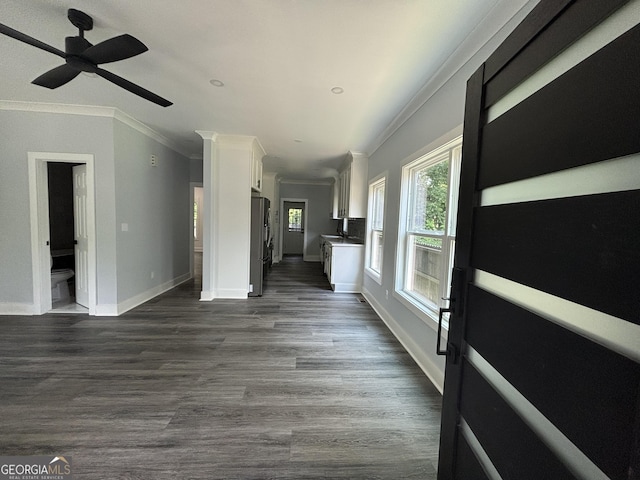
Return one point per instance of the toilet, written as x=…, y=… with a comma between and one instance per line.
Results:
x=59, y=285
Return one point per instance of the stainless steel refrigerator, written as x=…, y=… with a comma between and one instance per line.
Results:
x=260, y=245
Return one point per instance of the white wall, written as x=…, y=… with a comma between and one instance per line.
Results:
x=438, y=120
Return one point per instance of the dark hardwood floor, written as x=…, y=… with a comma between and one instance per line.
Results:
x=300, y=383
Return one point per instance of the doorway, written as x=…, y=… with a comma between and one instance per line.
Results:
x=294, y=220
x=196, y=226
x=46, y=255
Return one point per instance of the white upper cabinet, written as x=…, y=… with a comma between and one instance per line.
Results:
x=257, y=153
x=352, y=187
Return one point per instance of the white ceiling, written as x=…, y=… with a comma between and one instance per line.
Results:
x=278, y=59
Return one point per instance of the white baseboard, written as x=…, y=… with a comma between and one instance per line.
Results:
x=431, y=370
x=223, y=293
x=206, y=296
x=107, y=310
x=346, y=287
x=233, y=293
x=12, y=308
x=149, y=294
x=312, y=258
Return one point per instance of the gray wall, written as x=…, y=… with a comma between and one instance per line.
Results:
x=435, y=122
x=196, y=170
x=50, y=132
x=319, y=221
x=154, y=203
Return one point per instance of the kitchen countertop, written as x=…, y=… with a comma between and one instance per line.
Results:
x=336, y=240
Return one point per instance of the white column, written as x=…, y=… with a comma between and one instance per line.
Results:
x=227, y=167
x=210, y=204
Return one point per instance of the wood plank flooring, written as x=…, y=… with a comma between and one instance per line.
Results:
x=301, y=383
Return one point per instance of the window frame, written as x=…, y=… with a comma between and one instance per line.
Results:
x=421, y=306
x=374, y=184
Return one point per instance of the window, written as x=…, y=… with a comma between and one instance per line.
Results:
x=375, y=230
x=195, y=220
x=427, y=235
x=295, y=220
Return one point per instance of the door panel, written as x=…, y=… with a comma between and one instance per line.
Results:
x=81, y=234
x=564, y=373
x=293, y=241
x=514, y=449
x=558, y=245
x=541, y=394
x=537, y=133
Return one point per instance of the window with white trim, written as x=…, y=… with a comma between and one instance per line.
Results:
x=426, y=237
x=375, y=230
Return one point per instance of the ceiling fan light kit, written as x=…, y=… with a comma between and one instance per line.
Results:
x=81, y=56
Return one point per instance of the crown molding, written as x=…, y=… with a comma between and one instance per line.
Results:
x=500, y=17
x=207, y=135
x=294, y=181
x=92, y=111
x=239, y=141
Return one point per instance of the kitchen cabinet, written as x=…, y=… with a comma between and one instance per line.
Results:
x=256, y=167
x=352, y=187
x=343, y=263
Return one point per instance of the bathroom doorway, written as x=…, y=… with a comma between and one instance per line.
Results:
x=66, y=243
x=196, y=226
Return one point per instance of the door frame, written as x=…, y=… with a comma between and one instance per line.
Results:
x=192, y=196
x=39, y=218
x=282, y=224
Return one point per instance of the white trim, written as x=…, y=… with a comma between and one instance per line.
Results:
x=153, y=292
x=227, y=293
x=311, y=258
x=613, y=333
x=428, y=316
x=207, y=296
x=13, y=308
x=499, y=17
x=92, y=111
x=346, y=287
x=39, y=218
x=420, y=160
x=430, y=369
x=107, y=310
x=571, y=456
x=615, y=175
x=611, y=28
x=483, y=459
x=374, y=183
x=192, y=187
x=293, y=181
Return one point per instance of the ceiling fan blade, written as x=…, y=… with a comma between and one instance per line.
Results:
x=114, y=49
x=57, y=77
x=133, y=88
x=10, y=32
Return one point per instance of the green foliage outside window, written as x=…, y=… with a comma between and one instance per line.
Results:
x=433, y=188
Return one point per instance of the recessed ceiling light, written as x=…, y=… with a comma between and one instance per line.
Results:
x=337, y=90
x=216, y=83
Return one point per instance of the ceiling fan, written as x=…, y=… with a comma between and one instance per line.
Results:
x=81, y=56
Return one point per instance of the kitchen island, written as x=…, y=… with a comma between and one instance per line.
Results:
x=343, y=261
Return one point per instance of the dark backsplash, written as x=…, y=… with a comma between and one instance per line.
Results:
x=356, y=228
